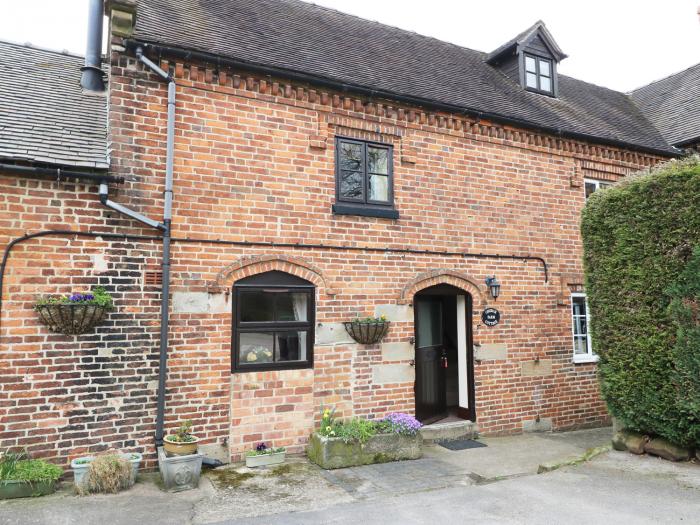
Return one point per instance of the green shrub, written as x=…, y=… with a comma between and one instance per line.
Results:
x=18, y=467
x=638, y=240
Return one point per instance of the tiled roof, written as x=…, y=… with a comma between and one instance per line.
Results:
x=44, y=115
x=673, y=105
x=327, y=44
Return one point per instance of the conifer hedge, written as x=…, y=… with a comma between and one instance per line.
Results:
x=641, y=242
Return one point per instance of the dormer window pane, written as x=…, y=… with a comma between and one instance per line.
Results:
x=544, y=68
x=531, y=79
x=530, y=65
x=545, y=84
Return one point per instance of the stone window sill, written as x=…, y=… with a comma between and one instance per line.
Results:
x=582, y=359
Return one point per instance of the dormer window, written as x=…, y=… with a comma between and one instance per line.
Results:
x=530, y=59
x=538, y=74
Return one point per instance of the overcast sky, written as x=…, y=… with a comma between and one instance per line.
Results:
x=620, y=44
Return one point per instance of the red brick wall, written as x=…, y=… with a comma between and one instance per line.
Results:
x=254, y=162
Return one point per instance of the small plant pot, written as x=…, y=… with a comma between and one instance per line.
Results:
x=261, y=460
x=70, y=319
x=10, y=489
x=80, y=467
x=367, y=332
x=175, y=448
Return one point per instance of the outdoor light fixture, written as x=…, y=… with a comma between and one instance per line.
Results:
x=494, y=286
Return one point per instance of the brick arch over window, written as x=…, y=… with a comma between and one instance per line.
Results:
x=443, y=276
x=247, y=266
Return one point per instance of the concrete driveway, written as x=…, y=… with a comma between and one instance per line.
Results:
x=494, y=484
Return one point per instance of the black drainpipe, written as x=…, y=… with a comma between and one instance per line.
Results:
x=92, y=70
x=165, y=261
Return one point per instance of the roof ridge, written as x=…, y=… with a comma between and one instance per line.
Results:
x=682, y=71
x=29, y=45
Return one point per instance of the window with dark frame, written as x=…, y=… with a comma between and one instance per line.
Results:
x=364, y=178
x=273, y=316
x=539, y=74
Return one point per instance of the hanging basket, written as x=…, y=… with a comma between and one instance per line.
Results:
x=71, y=319
x=367, y=332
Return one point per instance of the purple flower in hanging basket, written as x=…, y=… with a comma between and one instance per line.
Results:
x=76, y=298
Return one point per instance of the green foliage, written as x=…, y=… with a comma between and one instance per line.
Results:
x=638, y=239
x=356, y=429
x=183, y=433
x=98, y=296
x=18, y=467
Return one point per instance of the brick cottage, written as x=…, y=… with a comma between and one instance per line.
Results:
x=324, y=168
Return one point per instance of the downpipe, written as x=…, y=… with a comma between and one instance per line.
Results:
x=165, y=260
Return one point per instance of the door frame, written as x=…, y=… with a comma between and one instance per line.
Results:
x=468, y=413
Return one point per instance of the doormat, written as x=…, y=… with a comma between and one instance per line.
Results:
x=460, y=444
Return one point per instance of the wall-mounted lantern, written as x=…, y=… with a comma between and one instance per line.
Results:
x=494, y=286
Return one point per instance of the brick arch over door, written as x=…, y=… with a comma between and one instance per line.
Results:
x=252, y=265
x=444, y=276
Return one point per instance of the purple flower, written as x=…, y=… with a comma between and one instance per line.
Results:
x=262, y=447
x=76, y=298
x=402, y=423
x=88, y=297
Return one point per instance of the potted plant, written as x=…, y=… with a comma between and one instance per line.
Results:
x=21, y=477
x=76, y=313
x=368, y=330
x=264, y=455
x=182, y=442
x=358, y=441
x=81, y=465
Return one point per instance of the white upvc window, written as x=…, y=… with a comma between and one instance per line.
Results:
x=592, y=185
x=580, y=322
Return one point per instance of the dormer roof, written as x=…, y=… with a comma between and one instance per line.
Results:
x=526, y=39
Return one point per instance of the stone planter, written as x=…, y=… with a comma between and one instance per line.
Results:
x=80, y=467
x=332, y=453
x=179, y=472
x=261, y=460
x=10, y=489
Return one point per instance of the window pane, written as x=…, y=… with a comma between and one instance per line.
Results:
x=545, y=84
x=530, y=64
x=531, y=80
x=256, y=347
x=580, y=345
x=379, y=188
x=544, y=68
x=350, y=156
x=429, y=316
x=351, y=185
x=291, y=346
x=292, y=306
x=377, y=160
x=590, y=188
x=256, y=307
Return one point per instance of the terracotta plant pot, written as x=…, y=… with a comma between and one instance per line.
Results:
x=175, y=448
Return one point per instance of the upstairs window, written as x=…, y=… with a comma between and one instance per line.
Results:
x=591, y=185
x=539, y=74
x=273, y=322
x=364, y=179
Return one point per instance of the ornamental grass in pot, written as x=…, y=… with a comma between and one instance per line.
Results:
x=182, y=442
x=22, y=477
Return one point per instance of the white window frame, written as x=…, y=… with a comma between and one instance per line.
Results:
x=590, y=356
x=597, y=183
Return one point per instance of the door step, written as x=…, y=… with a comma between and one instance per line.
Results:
x=449, y=430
